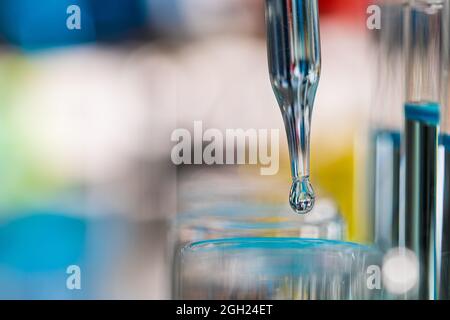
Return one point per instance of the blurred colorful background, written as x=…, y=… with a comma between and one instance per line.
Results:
x=86, y=117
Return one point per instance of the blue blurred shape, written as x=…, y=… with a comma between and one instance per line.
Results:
x=166, y=16
x=38, y=246
x=118, y=19
x=42, y=242
x=33, y=24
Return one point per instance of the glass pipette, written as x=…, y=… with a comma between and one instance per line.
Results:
x=294, y=64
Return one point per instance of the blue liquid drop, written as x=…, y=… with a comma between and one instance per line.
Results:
x=302, y=197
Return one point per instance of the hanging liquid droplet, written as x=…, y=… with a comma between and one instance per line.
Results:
x=302, y=197
x=293, y=41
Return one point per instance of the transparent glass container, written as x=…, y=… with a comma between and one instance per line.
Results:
x=444, y=180
x=426, y=58
x=217, y=206
x=225, y=203
x=258, y=220
x=386, y=126
x=276, y=268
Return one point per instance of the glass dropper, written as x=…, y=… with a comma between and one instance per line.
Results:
x=294, y=64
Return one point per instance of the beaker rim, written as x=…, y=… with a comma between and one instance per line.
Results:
x=270, y=243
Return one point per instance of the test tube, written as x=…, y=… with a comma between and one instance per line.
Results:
x=444, y=192
x=444, y=185
x=386, y=125
x=444, y=209
x=425, y=47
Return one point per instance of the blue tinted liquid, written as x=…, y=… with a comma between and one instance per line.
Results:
x=421, y=151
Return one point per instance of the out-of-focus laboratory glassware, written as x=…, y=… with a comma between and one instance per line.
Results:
x=251, y=207
x=294, y=65
x=197, y=189
x=444, y=181
x=386, y=126
x=258, y=220
x=426, y=47
x=276, y=268
x=444, y=206
x=42, y=247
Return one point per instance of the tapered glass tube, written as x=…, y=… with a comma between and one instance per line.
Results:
x=294, y=65
x=425, y=56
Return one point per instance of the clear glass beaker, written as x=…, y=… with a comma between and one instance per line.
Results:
x=225, y=203
x=245, y=219
x=205, y=187
x=276, y=268
x=259, y=220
